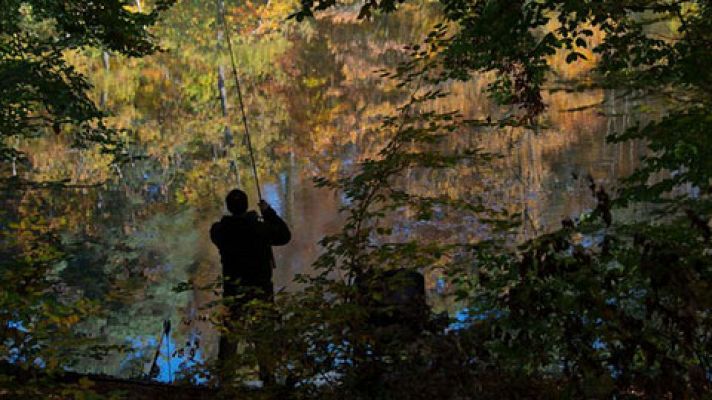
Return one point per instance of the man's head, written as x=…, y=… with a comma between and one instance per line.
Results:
x=236, y=202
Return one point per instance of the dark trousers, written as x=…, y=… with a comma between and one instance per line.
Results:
x=236, y=310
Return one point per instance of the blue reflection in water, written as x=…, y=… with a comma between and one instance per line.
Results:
x=14, y=353
x=465, y=317
x=173, y=362
x=271, y=195
x=17, y=325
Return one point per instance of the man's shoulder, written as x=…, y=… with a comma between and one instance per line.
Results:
x=221, y=226
x=242, y=222
x=218, y=224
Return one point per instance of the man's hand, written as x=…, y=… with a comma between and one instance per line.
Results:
x=264, y=206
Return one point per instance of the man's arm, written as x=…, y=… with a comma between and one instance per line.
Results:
x=278, y=232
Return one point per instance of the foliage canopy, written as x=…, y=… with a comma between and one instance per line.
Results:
x=602, y=307
x=41, y=92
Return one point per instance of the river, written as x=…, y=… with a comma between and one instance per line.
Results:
x=313, y=96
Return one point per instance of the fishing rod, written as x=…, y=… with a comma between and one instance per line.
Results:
x=155, y=368
x=238, y=88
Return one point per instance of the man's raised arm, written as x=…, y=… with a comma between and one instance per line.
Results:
x=277, y=230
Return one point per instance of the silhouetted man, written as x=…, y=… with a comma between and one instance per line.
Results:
x=244, y=242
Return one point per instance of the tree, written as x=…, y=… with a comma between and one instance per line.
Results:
x=41, y=93
x=602, y=307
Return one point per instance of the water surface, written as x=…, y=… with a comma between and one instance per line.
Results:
x=313, y=98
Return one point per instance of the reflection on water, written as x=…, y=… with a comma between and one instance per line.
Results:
x=312, y=97
x=168, y=361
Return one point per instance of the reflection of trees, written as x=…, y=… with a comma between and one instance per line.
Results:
x=541, y=174
x=314, y=102
x=134, y=238
x=530, y=179
x=334, y=97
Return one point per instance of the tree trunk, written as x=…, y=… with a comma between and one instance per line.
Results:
x=228, y=138
x=222, y=90
x=106, y=60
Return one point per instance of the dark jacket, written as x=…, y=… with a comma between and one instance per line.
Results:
x=244, y=243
